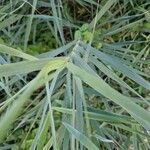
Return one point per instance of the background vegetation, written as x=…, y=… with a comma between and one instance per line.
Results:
x=74, y=74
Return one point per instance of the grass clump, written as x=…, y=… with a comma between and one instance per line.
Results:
x=74, y=75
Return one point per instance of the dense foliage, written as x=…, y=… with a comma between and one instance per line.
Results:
x=74, y=74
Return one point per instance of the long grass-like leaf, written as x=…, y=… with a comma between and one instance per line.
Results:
x=82, y=138
x=139, y=114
